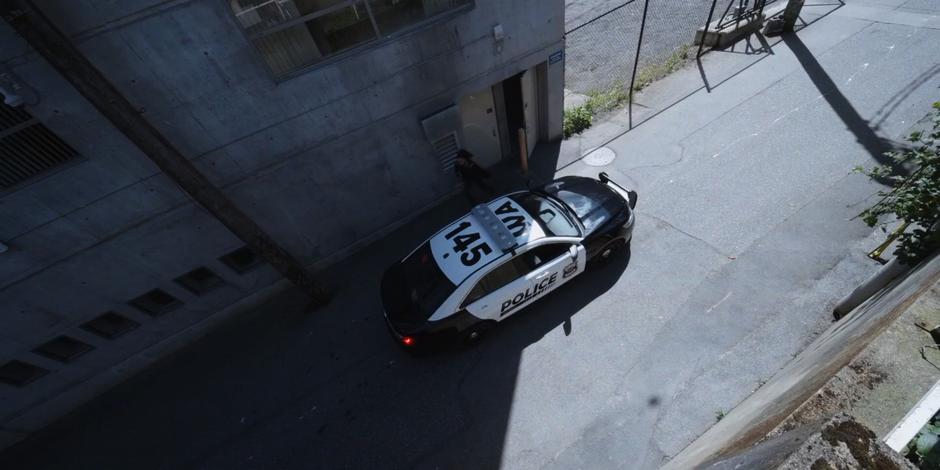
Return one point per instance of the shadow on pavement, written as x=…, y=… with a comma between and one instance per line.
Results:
x=875, y=145
x=892, y=104
x=277, y=388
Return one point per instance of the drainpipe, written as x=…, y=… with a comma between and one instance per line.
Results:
x=891, y=270
x=873, y=284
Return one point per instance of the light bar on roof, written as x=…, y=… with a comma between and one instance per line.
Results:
x=494, y=227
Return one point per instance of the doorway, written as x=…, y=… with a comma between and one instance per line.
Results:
x=497, y=122
x=520, y=104
x=515, y=118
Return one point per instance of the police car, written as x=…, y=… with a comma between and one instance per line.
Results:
x=504, y=254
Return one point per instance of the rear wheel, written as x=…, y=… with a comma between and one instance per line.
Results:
x=476, y=333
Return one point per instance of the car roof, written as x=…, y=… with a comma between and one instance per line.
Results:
x=479, y=226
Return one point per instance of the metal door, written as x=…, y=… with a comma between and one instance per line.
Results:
x=480, y=134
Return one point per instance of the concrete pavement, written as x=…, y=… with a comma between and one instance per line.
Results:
x=744, y=241
x=869, y=365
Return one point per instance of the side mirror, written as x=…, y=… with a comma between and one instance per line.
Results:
x=573, y=251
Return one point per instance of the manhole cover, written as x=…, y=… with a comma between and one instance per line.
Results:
x=600, y=156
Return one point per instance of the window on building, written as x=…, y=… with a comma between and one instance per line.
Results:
x=19, y=373
x=292, y=34
x=63, y=349
x=27, y=148
x=156, y=302
x=241, y=260
x=200, y=281
x=110, y=325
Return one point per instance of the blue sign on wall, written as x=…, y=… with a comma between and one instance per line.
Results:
x=556, y=57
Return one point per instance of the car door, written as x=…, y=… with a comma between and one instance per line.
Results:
x=549, y=266
x=484, y=299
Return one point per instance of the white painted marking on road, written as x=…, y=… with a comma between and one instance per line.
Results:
x=758, y=133
x=852, y=77
x=785, y=115
x=726, y=147
x=713, y=307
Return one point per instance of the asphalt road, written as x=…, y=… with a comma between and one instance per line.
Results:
x=744, y=241
x=601, y=52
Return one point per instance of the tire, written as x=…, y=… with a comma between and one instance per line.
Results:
x=475, y=334
x=609, y=252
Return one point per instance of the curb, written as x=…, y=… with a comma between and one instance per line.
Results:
x=869, y=287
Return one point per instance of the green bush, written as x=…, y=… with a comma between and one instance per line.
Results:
x=658, y=70
x=576, y=121
x=607, y=100
x=914, y=197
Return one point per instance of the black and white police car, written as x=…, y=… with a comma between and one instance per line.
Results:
x=504, y=254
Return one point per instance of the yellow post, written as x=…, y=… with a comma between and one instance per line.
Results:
x=876, y=253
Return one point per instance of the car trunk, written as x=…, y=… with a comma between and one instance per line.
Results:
x=413, y=289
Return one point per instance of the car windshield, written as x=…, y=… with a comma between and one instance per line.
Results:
x=592, y=203
x=427, y=286
x=553, y=218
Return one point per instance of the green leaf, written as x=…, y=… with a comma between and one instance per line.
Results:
x=915, y=197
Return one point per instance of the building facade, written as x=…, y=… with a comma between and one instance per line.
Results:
x=301, y=111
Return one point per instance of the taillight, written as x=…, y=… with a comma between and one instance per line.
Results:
x=407, y=340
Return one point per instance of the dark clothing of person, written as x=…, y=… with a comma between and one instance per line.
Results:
x=473, y=175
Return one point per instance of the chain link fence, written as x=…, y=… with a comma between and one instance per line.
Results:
x=602, y=51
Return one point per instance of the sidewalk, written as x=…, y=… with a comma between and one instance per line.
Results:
x=744, y=241
x=867, y=365
x=712, y=70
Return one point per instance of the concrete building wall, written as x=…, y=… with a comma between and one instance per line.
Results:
x=325, y=160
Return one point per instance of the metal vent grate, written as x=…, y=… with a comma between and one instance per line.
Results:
x=441, y=131
x=27, y=148
x=446, y=150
